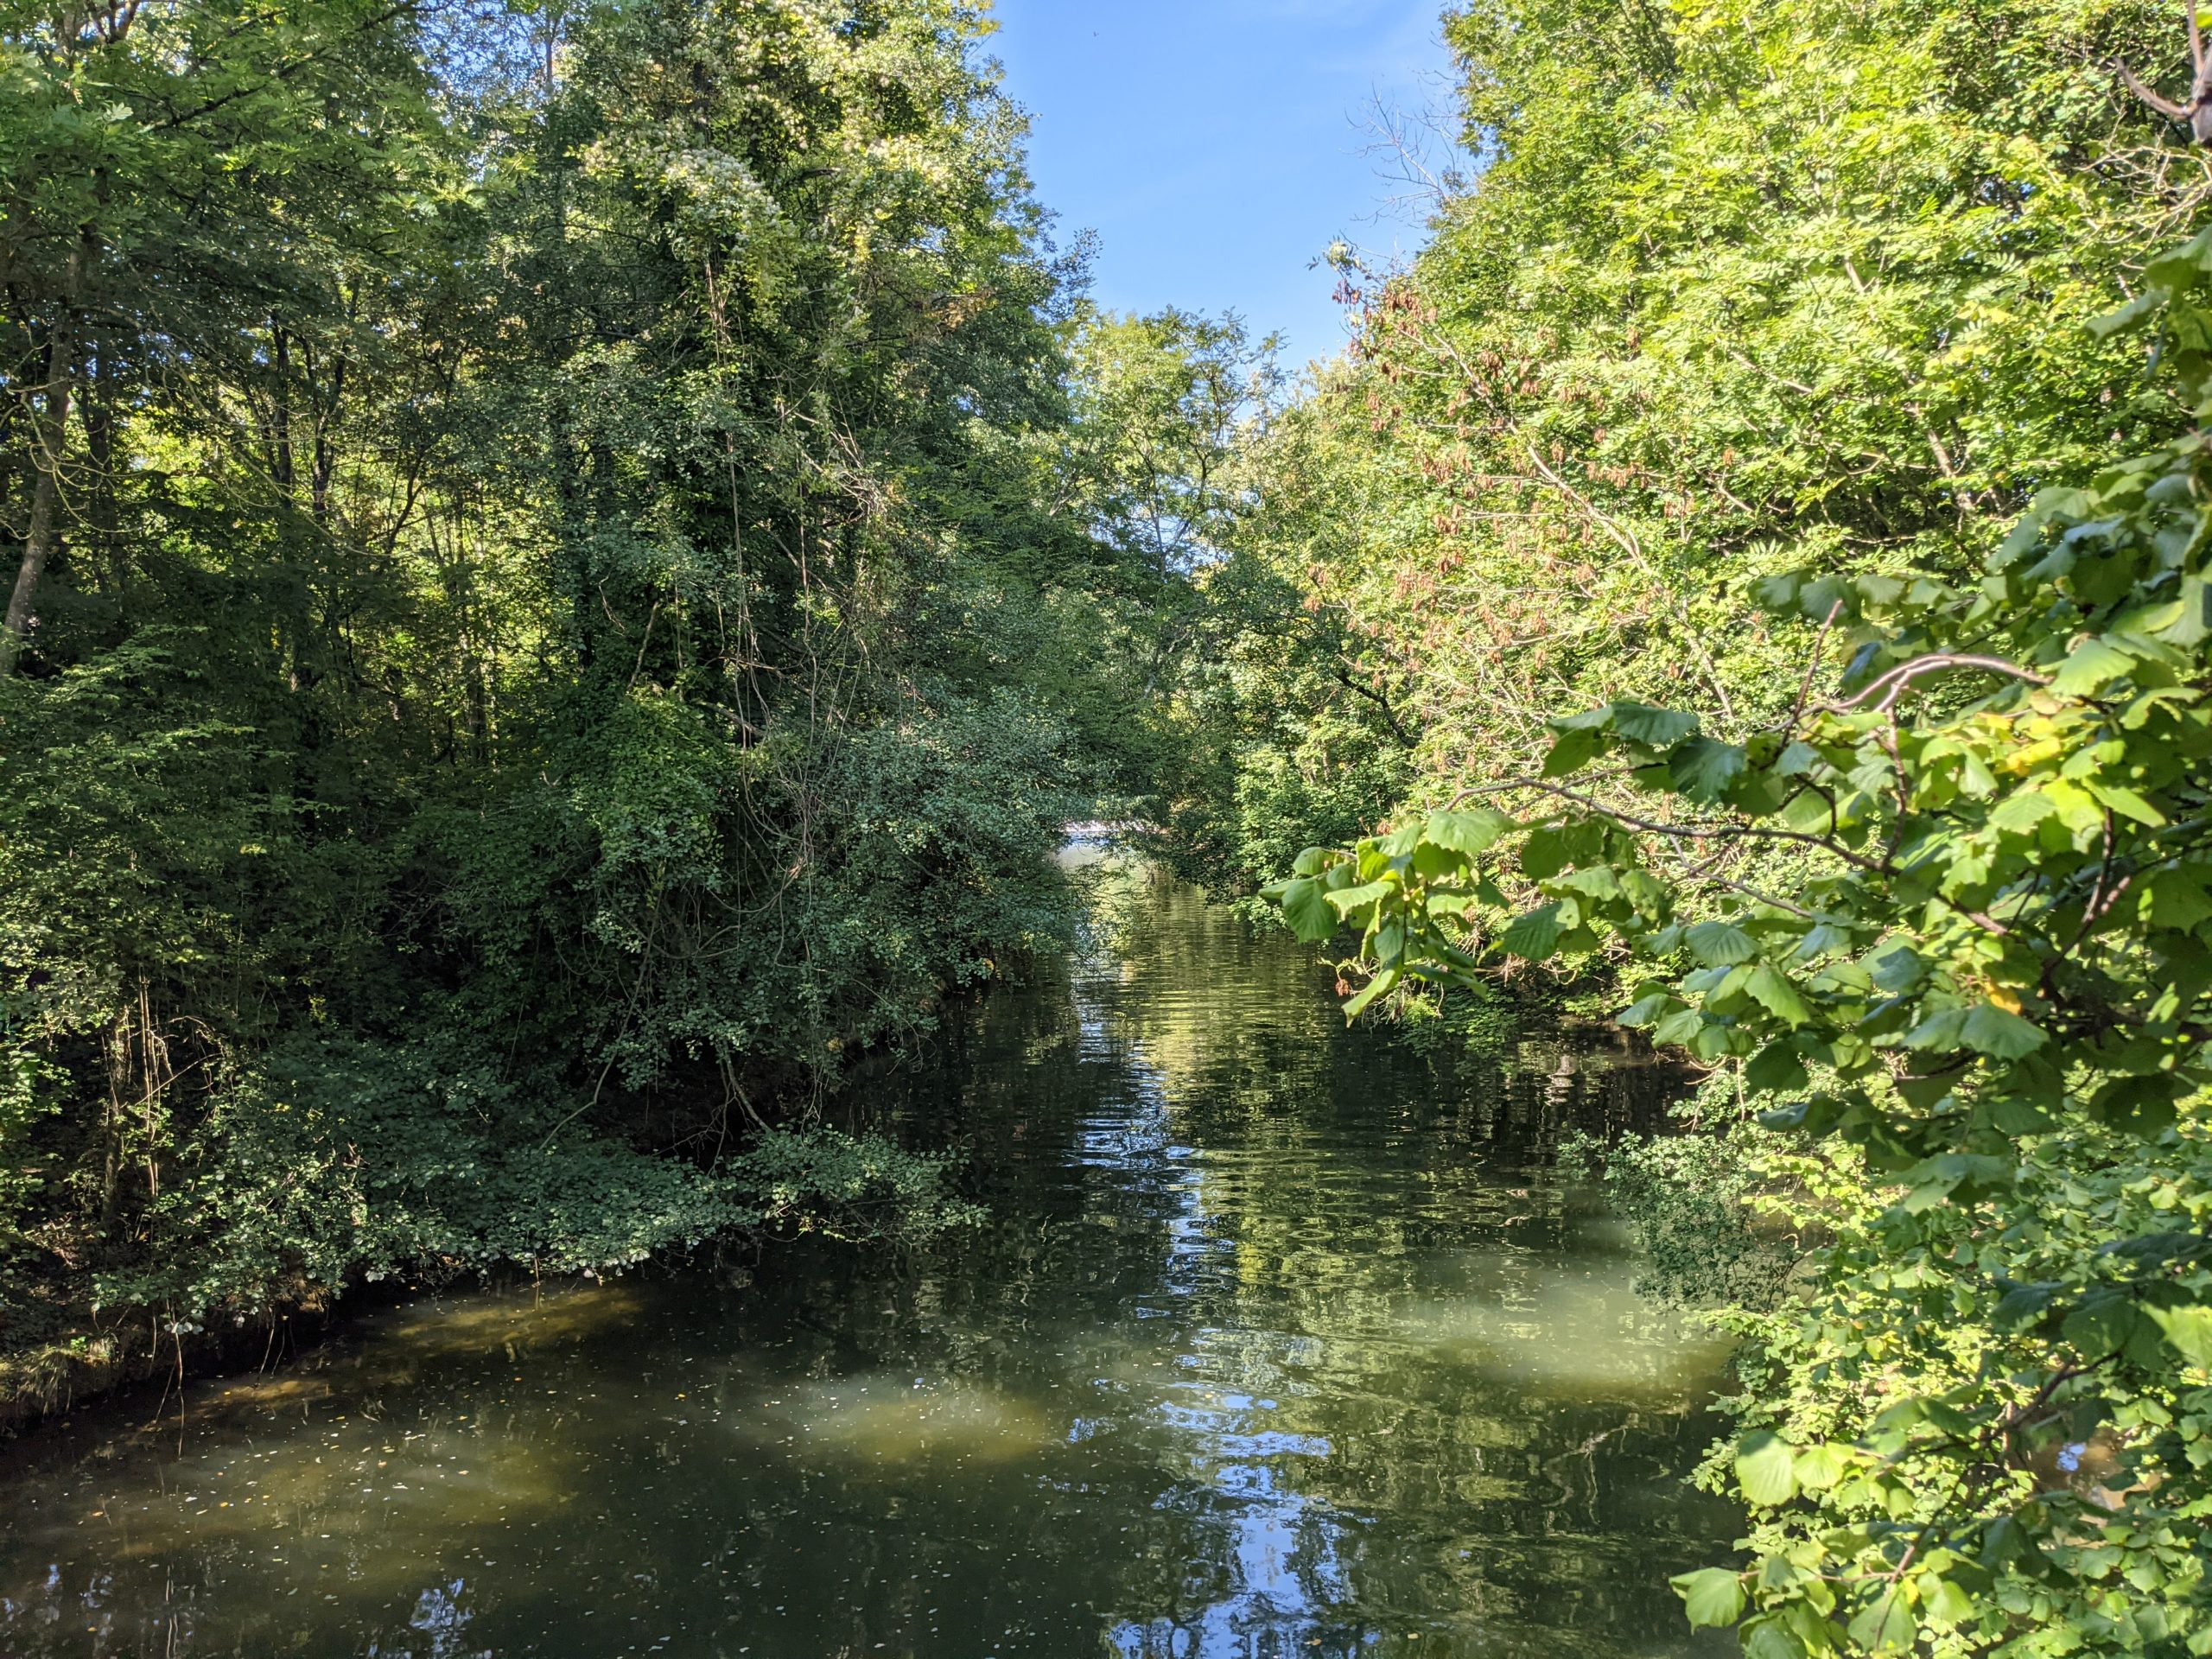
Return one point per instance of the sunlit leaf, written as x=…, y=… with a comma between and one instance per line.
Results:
x=1712, y=1597
x=1765, y=1469
x=1473, y=831
x=1535, y=936
x=2189, y=1330
x=1719, y=944
x=2093, y=665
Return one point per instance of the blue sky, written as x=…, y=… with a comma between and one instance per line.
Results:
x=1214, y=145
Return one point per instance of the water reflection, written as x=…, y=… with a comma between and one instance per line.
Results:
x=1279, y=1343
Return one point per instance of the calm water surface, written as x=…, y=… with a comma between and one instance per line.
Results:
x=1279, y=1344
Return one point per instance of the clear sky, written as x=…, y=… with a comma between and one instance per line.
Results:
x=1214, y=145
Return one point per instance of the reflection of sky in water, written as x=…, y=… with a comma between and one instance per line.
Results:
x=1281, y=1550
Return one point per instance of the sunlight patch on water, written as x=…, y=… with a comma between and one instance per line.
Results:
x=885, y=1418
x=1593, y=1334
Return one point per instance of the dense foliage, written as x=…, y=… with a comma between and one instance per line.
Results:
x=1783, y=401
x=1741, y=289
x=569, y=565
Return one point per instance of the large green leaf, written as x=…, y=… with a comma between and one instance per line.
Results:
x=1535, y=936
x=1305, y=906
x=1885, y=1624
x=1712, y=1597
x=1719, y=944
x=1704, y=767
x=1471, y=832
x=2189, y=1330
x=1656, y=728
x=1988, y=1029
x=1765, y=1469
x=2093, y=665
x=1772, y=987
x=1352, y=900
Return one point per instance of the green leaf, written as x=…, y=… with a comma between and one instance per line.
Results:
x=2127, y=803
x=2022, y=1305
x=2102, y=1325
x=1305, y=906
x=1884, y=1623
x=1712, y=1596
x=2129, y=317
x=1656, y=728
x=1898, y=970
x=2092, y=665
x=1946, y=1602
x=1765, y=1469
x=2176, y=898
x=1590, y=720
x=1775, y=1067
x=1719, y=944
x=1991, y=1030
x=1599, y=881
x=1572, y=751
x=1543, y=854
x=1819, y=1467
x=2020, y=813
x=2189, y=1330
x=1938, y=1032
x=1704, y=767
x=1774, y=993
x=1772, y=1639
x=1535, y=935
x=1469, y=832
x=1380, y=985
x=1353, y=899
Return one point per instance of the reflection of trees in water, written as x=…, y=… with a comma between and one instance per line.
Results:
x=1348, y=1183
x=1277, y=1342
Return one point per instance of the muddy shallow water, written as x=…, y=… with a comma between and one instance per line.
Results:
x=1280, y=1341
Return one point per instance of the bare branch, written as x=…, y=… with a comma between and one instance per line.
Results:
x=2165, y=106
x=1893, y=684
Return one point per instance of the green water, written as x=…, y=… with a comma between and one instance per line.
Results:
x=1280, y=1343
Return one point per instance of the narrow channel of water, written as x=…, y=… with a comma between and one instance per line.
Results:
x=1280, y=1343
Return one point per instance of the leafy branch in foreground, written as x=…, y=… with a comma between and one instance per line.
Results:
x=1956, y=922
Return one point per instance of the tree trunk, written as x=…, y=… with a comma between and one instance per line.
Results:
x=49, y=437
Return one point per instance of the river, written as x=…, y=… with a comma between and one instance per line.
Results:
x=1280, y=1343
